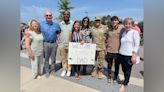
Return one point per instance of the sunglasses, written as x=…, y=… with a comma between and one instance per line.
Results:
x=86, y=20
x=66, y=14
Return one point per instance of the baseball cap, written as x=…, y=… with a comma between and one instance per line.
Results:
x=97, y=18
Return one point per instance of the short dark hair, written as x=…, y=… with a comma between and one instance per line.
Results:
x=66, y=11
x=114, y=18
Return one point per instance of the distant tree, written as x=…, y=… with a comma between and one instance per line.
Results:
x=140, y=24
x=91, y=24
x=108, y=17
x=106, y=20
x=109, y=23
x=63, y=5
x=103, y=20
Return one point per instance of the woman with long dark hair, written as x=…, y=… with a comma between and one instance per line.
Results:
x=86, y=35
x=75, y=36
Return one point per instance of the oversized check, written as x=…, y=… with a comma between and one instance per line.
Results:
x=81, y=54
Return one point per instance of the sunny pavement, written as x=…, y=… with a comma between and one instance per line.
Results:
x=69, y=84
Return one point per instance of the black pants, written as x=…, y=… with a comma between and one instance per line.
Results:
x=109, y=59
x=77, y=68
x=126, y=64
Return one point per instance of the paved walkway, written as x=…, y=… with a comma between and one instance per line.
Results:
x=69, y=84
x=51, y=84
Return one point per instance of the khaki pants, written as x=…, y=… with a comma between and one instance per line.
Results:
x=64, y=54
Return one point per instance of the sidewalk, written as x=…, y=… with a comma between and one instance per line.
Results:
x=51, y=84
x=69, y=84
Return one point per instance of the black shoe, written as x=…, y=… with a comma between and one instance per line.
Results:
x=35, y=77
x=109, y=80
x=47, y=74
x=117, y=80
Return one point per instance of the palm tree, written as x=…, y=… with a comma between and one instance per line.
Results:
x=63, y=6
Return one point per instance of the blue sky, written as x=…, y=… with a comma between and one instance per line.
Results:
x=34, y=9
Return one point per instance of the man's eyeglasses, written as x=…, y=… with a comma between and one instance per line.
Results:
x=48, y=15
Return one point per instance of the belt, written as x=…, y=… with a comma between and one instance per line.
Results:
x=50, y=41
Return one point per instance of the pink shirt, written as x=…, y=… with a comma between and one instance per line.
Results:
x=137, y=29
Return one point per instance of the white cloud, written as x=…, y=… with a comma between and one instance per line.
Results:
x=35, y=12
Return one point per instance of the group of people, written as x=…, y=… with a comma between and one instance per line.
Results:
x=120, y=44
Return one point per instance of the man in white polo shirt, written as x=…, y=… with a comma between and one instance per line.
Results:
x=66, y=28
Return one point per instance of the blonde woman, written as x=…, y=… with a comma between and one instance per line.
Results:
x=130, y=41
x=34, y=46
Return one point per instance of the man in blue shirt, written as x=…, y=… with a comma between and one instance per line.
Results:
x=50, y=31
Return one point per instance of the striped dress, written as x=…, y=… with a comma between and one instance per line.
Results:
x=76, y=37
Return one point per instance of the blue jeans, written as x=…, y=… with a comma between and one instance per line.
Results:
x=77, y=68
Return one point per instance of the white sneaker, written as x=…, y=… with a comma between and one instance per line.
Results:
x=63, y=73
x=68, y=73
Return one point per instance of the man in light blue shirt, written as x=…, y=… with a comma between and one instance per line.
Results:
x=50, y=31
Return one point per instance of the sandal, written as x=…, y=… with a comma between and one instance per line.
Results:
x=122, y=88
